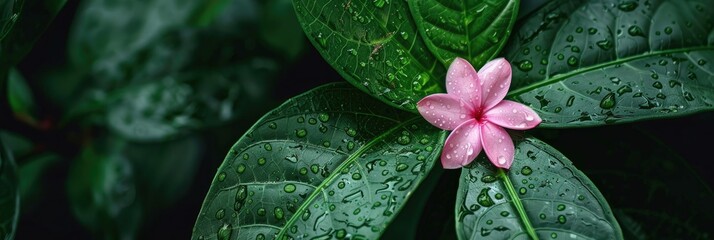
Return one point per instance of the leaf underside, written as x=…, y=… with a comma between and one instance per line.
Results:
x=472, y=29
x=587, y=63
x=332, y=162
x=560, y=201
x=374, y=45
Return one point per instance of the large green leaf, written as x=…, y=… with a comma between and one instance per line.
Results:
x=375, y=45
x=32, y=21
x=644, y=181
x=472, y=29
x=585, y=63
x=543, y=188
x=9, y=195
x=332, y=162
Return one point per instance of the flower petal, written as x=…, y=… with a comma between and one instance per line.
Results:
x=463, y=81
x=513, y=115
x=444, y=111
x=462, y=146
x=497, y=144
x=495, y=79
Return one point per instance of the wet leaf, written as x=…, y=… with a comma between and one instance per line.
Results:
x=375, y=45
x=19, y=94
x=475, y=30
x=29, y=25
x=587, y=63
x=332, y=162
x=560, y=202
x=9, y=194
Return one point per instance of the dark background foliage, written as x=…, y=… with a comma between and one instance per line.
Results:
x=662, y=157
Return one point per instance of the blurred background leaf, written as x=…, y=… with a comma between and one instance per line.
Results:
x=9, y=198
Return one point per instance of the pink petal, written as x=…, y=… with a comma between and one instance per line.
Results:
x=513, y=115
x=444, y=111
x=497, y=144
x=495, y=79
x=462, y=146
x=463, y=81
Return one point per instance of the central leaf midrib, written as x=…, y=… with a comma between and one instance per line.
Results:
x=336, y=172
x=565, y=76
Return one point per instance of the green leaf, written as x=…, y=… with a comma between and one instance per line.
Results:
x=19, y=94
x=588, y=63
x=8, y=18
x=472, y=29
x=31, y=178
x=645, y=182
x=375, y=45
x=542, y=188
x=9, y=195
x=36, y=15
x=330, y=162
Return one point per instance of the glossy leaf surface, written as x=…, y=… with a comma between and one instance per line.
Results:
x=332, y=162
x=9, y=194
x=560, y=202
x=375, y=45
x=587, y=63
x=475, y=30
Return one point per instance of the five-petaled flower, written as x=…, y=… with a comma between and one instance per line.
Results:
x=476, y=112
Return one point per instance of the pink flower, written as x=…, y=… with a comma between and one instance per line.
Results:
x=476, y=112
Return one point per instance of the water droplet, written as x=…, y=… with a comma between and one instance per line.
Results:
x=608, y=101
x=289, y=188
x=635, y=31
x=220, y=214
x=627, y=6
x=561, y=219
x=505, y=214
x=484, y=199
x=526, y=170
x=404, y=35
x=592, y=31
x=278, y=213
x=561, y=207
x=340, y=234
x=352, y=51
x=688, y=96
x=241, y=168
x=701, y=62
x=301, y=133
x=525, y=65
x=572, y=61
x=657, y=85
x=542, y=216
x=272, y=125
x=351, y=132
x=668, y=30
x=221, y=176
x=501, y=160
x=615, y=80
x=261, y=161
x=604, y=44
x=224, y=233
x=570, y=101
x=623, y=90
x=661, y=96
x=404, y=140
x=488, y=178
x=267, y=147
x=261, y=212
x=522, y=190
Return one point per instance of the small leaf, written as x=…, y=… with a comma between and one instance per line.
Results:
x=588, y=63
x=9, y=195
x=332, y=162
x=559, y=200
x=375, y=45
x=472, y=29
x=36, y=15
x=19, y=94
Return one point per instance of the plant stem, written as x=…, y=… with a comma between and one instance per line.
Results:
x=517, y=203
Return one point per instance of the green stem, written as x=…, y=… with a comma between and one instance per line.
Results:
x=517, y=203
